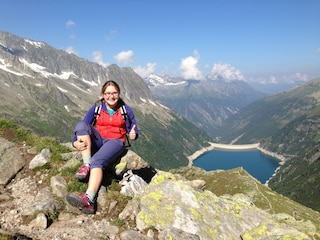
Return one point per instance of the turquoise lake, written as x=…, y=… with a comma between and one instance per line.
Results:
x=259, y=165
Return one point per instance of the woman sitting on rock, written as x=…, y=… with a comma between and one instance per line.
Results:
x=101, y=139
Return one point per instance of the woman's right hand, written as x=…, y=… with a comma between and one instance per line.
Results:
x=80, y=144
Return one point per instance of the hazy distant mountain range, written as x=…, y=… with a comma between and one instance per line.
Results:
x=206, y=103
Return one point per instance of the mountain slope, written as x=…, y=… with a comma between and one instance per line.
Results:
x=49, y=90
x=273, y=118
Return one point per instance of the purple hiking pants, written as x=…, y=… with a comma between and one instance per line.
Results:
x=103, y=150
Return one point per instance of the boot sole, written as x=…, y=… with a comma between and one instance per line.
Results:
x=80, y=177
x=74, y=201
x=87, y=211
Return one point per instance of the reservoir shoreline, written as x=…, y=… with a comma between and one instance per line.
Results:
x=233, y=147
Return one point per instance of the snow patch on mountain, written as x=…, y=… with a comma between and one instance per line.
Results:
x=156, y=80
x=34, y=43
x=5, y=67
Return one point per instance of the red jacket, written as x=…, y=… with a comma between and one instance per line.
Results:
x=111, y=126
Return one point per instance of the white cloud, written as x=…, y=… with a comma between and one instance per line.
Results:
x=226, y=72
x=295, y=77
x=318, y=50
x=281, y=79
x=302, y=77
x=97, y=57
x=71, y=50
x=189, y=67
x=260, y=79
x=70, y=24
x=145, y=71
x=124, y=57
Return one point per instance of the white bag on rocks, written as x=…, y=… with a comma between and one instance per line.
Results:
x=131, y=184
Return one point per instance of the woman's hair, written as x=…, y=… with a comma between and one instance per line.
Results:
x=110, y=83
x=114, y=84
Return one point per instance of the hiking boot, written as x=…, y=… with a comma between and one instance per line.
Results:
x=83, y=172
x=82, y=201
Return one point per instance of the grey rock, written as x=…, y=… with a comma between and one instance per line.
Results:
x=131, y=234
x=41, y=159
x=40, y=221
x=43, y=194
x=46, y=206
x=11, y=161
x=173, y=233
x=58, y=185
x=167, y=203
x=130, y=161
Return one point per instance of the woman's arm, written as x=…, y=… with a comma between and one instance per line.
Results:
x=131, y=124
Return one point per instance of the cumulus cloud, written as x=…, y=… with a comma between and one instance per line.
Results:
x=145, y=71
x=70, y=24
x=226, y=72
x=124, y=57
x=71, y=50
x=189, y=68
x=97, y=57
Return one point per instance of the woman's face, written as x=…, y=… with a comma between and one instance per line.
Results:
x=111, y=96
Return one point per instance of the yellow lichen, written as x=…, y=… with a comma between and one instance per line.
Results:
x=195, y=213
x=163, y=216
x=155, y=213
x=157, y=196
x=211, y=232
x=121, y=165
x=261, y=230
x=169, y=236
x=162, y=176
x=237, y=209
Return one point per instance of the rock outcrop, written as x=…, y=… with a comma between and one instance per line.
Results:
x=169, y=207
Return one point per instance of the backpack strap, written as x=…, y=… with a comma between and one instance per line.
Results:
x=97, y=111
x=125, y=117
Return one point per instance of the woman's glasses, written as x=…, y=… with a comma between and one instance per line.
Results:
x=108, y=94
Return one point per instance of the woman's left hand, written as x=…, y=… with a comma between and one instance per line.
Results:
x=132, y=133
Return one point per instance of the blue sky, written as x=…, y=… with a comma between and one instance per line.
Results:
x=272, y=41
